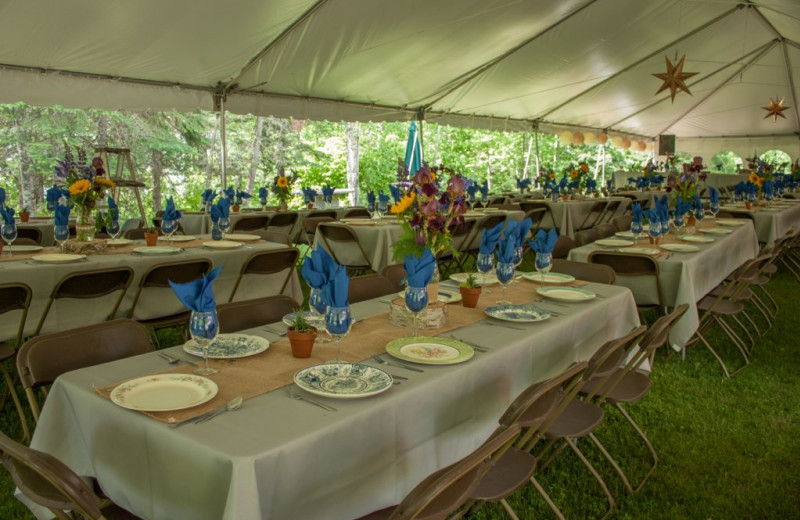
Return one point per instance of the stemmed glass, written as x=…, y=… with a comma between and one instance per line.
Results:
x=9, y=233
x=113, y=229
x=168, y=227
x=505, y=272
x=519, y=256
x=654, y=231
x=61, y=233
x=416, y=301
x=768, y=196
x=203, y=326
x=224, y=224
x=485, y=264
x=700, y=213
x=372, y=210
x=263, y=204
x=338, y=321
x=543, y=262
x=383, y=207
x=216, y=232
x=318, y=308
x=714, y=208
x=636, y=229
x=678, y=221
x=485, y=200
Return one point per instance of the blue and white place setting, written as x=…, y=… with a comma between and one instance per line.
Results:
x=517, y=313
x=343, y=380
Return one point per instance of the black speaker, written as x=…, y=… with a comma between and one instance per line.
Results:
x=666, y=144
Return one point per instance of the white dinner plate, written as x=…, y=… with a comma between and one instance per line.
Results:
x=613, y=242
x=551, y=278
x=164, y=392
x=444, y=295
x=625, y=234
x=226, y=346
x=732, y=222
x=157, y=250
x=487, y=279
x=119, y=242
x=700, y=239
x=23, y=249
x=566, y=294
x=343, y=380
x=57, y=258
x=242, y=237
x=715, y=231
x=222, y=244
x=178, y=238
x=679, y=248
x=640, y=250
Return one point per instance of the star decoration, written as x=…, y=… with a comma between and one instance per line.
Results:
x=674, y=78
x=775, y=109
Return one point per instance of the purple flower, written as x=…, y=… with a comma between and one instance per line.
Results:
x=429, y=190
x=420, y=238
x=456, y=185
x=423, y=177
x=62, y=169
x=430, y=208
x=436, y=223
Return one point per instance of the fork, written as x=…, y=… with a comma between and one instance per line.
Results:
x=395, y=364
x=175, y=359
x=505, y=326
x=475, y=347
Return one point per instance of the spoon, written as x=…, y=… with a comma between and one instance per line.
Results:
x=233, y=404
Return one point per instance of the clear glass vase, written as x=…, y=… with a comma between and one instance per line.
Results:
x=85, y=226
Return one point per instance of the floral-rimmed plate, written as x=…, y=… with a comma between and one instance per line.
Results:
x=679, y=248
x=177, y=238
x=715, y=231
x=551, y=278
x=164, y=392
x=517, y=313
x=23, y=249
x=242, y=237
x=700, y=239
x=222, y=244
x=487, y=279
x=732, y=222
x=57, y=258
x=444, y=295
x=343, y=380
x=613, y=242
x=430, y=351
x=566, y=294
x=228, y=346
x=640, y=250
x=157, y=250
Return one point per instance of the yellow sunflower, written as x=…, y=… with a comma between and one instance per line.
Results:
x=433, y=176
x=104, y=182
x=78, y=187
x=755, y=178
x=403, y=204
x=584, y=167
x=552, y=175
x=574, y=174
x=282, y=182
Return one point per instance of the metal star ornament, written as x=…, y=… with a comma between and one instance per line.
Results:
x=674, y=78
x=775, y=109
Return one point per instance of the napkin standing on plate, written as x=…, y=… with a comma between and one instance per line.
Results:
x=370, y=199
x=591, y=185
x=471, y=189
x=240, y=196
x=636, y=208
x=713, y=195
x=544, y=242
x=327, y=193
x=309, y=195
x=485, y=188
x=510, y=229
x=262, y=195
x=396, y=192
x=505, y=253
x=208, y=196
x=229, y=193
x=768, y=187
x=419, y=270
x=489, y=238
x=317, y=268
x=198, y=295
x=52, y=196
x=335, y=291
x=7, y=214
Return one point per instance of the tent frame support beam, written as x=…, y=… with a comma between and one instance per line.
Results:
x=636, y=63
x=764, y=49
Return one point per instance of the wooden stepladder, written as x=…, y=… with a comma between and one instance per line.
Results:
x=120, y=178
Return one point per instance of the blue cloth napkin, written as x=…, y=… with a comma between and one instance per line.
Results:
x=510, y=229
x=230, y=193
x=768, y=188
x=371, y=199
x=113, y=210
x=523, y=184
x=489, y=239
x=170, y=213
x=396, y=192
x=241, y=195
x=208, y=196
x=262, y=195
x=609, y=182
x=563, y=184
x=713, y=195
x=505, y=253
x=522, y=231
x=419, y=269
x=335, y=291
x=471, y=189
x=198, y=294
x=2, y=197
x=62, y=215
x=591, y=185
x=383, y=198
x=7, y=214
x=740, y=189
x=544, y=241
x=327, y=193
x=53, y=194
x=636, y=208
x=220, y=210
x=309, y=195
x=317, y=268
x=653, y=217
x=485, y=188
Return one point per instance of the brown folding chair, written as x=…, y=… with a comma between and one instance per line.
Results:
x=34, y=235
x=596, y=212
x=451, y=261
x=563, y=246
x=609, y=211
x=338, y=238
x=134, y=234
x=50, y=483
x=472, y=249
x=14, y=297
x=251, y=223
x=606, y=230
x=267, y=263
x=43, y=358
x=635, y=266
x=587, y=236
x=622, y=223
x=86, y=285
x=596, y=273
x=537, y=216
x=395, y=273
x=310, y=224
x=368, y=287
x=450, y=489
x=246, y=314
x=357, y=213
x=283, y=221
x=278, y=237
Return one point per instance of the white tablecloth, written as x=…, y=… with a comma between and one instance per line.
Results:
x=278, y=458
x=569, y=215
x=772, y=223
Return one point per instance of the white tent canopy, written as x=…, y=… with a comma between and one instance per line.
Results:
x=582, y=65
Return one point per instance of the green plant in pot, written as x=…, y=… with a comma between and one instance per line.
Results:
x=301, y=335
x=151, y=236
x=470, y=291
x=24, y=215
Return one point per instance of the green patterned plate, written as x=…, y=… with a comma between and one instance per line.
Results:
x=430, y=351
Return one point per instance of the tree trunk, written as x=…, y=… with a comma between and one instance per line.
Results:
x=351, y=134
x=158, y=168
x=28, y=181
x=255, y=155
x=209, y=155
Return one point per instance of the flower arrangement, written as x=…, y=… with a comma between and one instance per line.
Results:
x=796, y=170
x=282, y=187
x=429, y=214
x=87, y=185
x=684, y=185
x=576, y=176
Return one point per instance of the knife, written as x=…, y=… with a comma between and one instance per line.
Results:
x=312, y=401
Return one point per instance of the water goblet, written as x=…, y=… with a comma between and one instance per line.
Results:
x=51, y=206
x=9, y=234
x=383, y=207
x=372, y=209
x=654, y=231
x=338, y=321
x=168, y=227
x=700, y=213
x=505, y=272
x=224, y=224
x=543, y=262
x=113, y=229
x=203, y=326
x=768, y=197
x=485, y=200
x=714, y=208
x=216, y=232
x=636, y=229
x=263, y=204
x=416, y=300
x=678, y=221
x=485, y=264
x=665, y=227
x=318, y=308
x=61, y=234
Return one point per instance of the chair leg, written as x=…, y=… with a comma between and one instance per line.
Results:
x=714, y=353
x=552, y=505
x=611, y=503
x=26, y=434
x=613, y=462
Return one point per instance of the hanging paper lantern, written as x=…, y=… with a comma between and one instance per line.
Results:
x=589, y=138
x=577, y=138
x=626, y=143
x=616, y=141
x=566, y=137
x=602, y=138
x=641, y=146
x=648, y=146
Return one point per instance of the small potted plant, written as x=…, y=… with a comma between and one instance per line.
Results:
x=151, y=236
x=301, y=335
x=470, y=291
x=24, y=215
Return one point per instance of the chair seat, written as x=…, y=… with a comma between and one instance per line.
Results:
x=537, y=413
x=745, y=294
x=579, y=419
x=631, y=388
x=509, y=473
x=771, y=269
x=727, y=307
x=381, y=514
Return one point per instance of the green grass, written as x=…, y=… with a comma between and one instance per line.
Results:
x=728, y=448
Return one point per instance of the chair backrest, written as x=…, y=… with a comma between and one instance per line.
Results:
x=132, y=223
x=357, y=213
x=586, y=236
x=610, y=210
x=537, y=216
x=267, y=263
x=283, y=219
x=529, y=205
x=658, y=333
x=278, y=237
x=246, y=314
x=622, y=223
x=596, y=273
x=310, y=223
x=612, y=353
x=330, y=213
x=368, y=287
x=395, y=273
x=335, y=238
x=47, y=481
x=160, y=275
x=632, y=265
x=15, y=297
x=563, y=246
x=43, y=358
x=251, y=223
x=134, y=234
x=31, y=233
x=606, y=230
x=448, y=489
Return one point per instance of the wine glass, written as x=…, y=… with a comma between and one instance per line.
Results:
x=113, y=229
x=485, y=200
x=768, y=196
x=654, y=231
x=543, y=262
x=203, y=326
x=224, y=224
x=700, y=213
x=372, y=210
x=505, y=272
x=636, y=229
x=416, y=301
x=678, y=221
x=383, y=207
x=168, y=227
x=714, y=208
x=263, y=204
x=216, y=232
x=61, y=234
x=318, y=308
x=9, y=233
x=485, y=264
x=338, y=321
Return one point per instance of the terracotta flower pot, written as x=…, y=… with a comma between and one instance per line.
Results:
x=24, y=215
x=691, y=221
x=235, y=208
x=310, y=205
x=748, y=204
x=302, y=342
x=151, y=238
x=469, y=296
x=565, y=197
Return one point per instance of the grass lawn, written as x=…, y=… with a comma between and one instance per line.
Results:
x=728, y=449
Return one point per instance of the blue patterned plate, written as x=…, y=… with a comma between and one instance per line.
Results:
x=343, y=380
x=227, y=346
x=517, y=313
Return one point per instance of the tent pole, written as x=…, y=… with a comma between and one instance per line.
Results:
x=224, y=145
x=527, y=158
x=420, y=117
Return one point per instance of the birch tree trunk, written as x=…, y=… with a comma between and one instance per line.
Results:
x=255, y=155
x=158, y=167
x=351, y=134
x=29, y=183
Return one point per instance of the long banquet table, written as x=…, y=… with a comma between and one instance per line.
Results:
x=279, y=458
x=772, y=222
x=568, y=215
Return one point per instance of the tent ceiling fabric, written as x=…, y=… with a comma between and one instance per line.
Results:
x=499, y=64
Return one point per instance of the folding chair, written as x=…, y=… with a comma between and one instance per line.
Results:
x=25, y=234
x=14, y=297
x=357, y=213
x=596, y=212
x=563, y=246
x=606, y=230
x=530, y=205
x=635, y=267
x=283, y=221
x=450, y=262
x=338, y=239
x=368, y=287
x=267, y=263
x=274, y=236
x=43, y=358
x=472, y=249
x=395, y=273
x=609, y=212
x=596, y=273
x=50, y=483
x=247, y=314
x=85, y=285
x=587, y=236
x=251, y=223
x=622, y=223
